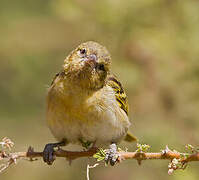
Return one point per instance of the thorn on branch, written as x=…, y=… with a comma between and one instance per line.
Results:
x=141, y=149
x=30, y=152
x=165, y=151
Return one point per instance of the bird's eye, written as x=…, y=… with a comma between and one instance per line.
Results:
x=82, y=51
x=101, y=67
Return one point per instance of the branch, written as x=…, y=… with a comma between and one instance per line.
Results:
x=169, y=155
x=178, y=160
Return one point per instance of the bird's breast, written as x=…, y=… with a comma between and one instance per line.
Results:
x=96, y=117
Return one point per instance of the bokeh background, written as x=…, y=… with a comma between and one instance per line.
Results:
x=155, y=50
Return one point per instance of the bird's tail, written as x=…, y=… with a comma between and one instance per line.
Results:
x=130, y=137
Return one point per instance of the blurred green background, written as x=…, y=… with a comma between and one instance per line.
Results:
x=155, y=49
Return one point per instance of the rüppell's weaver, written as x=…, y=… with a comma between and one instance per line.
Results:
x=86, y=103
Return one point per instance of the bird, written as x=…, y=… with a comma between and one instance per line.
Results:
x=86, y=103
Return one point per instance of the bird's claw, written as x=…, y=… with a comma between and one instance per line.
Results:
x=111, y=155
x=48, y=154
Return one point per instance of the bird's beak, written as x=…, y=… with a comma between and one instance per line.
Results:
x=91, y=60
x=92, y=57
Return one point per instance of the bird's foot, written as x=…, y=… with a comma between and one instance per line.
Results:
x=48, y=152
x=111, y=155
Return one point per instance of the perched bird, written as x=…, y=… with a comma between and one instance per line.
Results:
x=86, y=103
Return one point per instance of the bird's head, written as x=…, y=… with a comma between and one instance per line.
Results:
x=88, y=65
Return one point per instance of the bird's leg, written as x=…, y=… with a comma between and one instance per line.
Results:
x=111, y=154
x=48, y=152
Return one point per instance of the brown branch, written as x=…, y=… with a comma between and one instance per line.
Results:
x=158, y=155
x=178, y=160
x=70, y=155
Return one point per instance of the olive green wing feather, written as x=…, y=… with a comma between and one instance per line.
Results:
x=121, y=100
x=119, y=93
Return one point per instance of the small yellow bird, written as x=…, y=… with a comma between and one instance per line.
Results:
x=86, y=104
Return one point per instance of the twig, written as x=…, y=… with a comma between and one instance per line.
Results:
x=178, y=160
x=158, y=155
x=89, y=167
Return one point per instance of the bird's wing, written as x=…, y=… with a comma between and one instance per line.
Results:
x=119, y=92
x=121, y=100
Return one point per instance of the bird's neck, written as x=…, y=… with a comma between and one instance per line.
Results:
x=71, y=92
